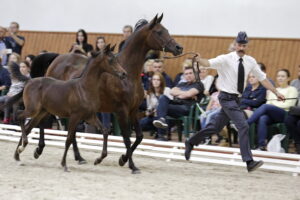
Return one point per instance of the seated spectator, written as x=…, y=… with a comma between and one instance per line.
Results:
x=292, y=122
x=29, y=58
x=296, y=84
x=100, y=43
x=157, y=66
x=5, y=81
x=180, y=77
x=5, y=47
x=147, y=73
x=264, y=69
x=212, y=109
x=127, y=31
x=18, y=82
x=81, y=45
x=16, y=41
x=206, y=79
x=25, y=68
x=156, y=89
x=184, y=94
x=14, y=57
x=274, y=111
x=253, y=96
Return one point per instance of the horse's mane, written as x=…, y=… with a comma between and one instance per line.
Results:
x=15, y=72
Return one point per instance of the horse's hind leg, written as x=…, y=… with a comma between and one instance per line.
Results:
x=77, y=153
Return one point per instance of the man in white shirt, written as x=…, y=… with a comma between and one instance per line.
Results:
x=233, y=69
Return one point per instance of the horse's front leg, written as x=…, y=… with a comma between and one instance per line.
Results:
x=74, y=120
x=138, y=140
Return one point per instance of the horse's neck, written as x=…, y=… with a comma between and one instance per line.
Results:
x=91, y=76
x=132, y=57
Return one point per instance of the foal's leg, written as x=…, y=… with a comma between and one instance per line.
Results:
x=39, y=150
x=74, y=120
x=96, y=122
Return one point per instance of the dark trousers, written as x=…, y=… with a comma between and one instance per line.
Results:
x=167, y=108
x=147, y=123
x=293, y=126
x=230, y=111
x=264, y=116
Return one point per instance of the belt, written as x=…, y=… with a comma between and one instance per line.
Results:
x=231, y=94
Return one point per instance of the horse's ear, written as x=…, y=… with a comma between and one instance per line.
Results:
x=107, y=48
x=113, y=48
x=153, y=22
x=160, y=18
x=95, y=53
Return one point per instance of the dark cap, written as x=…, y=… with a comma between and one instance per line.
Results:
x=242, y=38
x=140, y=23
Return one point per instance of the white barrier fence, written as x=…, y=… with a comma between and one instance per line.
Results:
x=167, y=150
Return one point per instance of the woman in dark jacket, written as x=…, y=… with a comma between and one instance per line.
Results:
x=81, y=45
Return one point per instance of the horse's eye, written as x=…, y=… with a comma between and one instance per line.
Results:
x=159, y=32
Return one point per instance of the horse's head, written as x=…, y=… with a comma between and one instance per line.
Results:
x=160, y=39
x=109, y=62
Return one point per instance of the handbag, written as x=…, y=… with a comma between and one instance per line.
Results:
x=295, y=110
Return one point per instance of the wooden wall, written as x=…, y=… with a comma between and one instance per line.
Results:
x=276, y=53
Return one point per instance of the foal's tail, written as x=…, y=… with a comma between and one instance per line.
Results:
x=12, y=100
x=41, y=63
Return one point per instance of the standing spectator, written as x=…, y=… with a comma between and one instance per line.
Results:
x=127, y=31
x=233, y=68
x=296, y=84
x=17, y=41
x=100, y=43
x=274, y=111
x=5, y=46
x=81, y=45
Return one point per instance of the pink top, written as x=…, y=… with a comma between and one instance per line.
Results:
x=215, y=101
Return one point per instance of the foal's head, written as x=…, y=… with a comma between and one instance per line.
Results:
x=159, y=37
x=108, y=62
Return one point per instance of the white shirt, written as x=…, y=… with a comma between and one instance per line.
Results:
x=207, y=81
x=227, y=67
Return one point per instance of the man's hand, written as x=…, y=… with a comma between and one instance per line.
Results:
x=280, y=97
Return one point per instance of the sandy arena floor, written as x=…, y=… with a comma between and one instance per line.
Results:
x=44, y=179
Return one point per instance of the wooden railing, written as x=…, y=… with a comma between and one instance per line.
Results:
x=276, y=53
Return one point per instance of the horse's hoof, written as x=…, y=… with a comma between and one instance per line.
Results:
x=97, y=161
x=36, y=155
x=82, y=162
x=122, y=160
x=20, y=163
x=66, y=169
x=20, y=149
x=136, y=171
x=17, y=157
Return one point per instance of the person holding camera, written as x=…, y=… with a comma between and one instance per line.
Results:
x=184, y=95
x=5, y=46
x=156, y=89
x=16, y=41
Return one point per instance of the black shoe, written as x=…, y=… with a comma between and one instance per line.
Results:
x=188, y=149
x=160, y=123
x=253, y=165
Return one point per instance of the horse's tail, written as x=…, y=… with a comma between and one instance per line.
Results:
x=41, y=63
x=12, y=100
